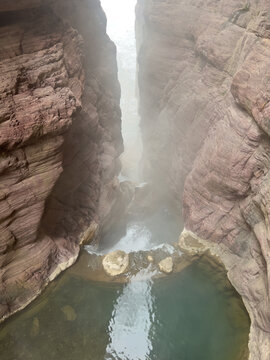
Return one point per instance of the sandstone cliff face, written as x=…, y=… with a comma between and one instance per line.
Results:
x=204, y=77
x=60, y=139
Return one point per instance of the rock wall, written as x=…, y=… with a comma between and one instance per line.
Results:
x=204, y=79
x=60, y=138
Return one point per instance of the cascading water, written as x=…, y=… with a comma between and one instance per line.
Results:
x=193, y=315
x=160, y=225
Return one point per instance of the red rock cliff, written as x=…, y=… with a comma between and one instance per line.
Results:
x=60, y=139
x=204, y=78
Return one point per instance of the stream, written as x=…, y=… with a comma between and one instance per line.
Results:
x=191, y=315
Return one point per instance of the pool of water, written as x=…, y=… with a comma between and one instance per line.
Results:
x=187, y=316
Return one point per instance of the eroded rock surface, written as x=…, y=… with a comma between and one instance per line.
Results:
x=60, y=139
x=204, y=75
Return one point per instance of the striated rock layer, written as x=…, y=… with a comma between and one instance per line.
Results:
x=204, y=79
x=60, y=139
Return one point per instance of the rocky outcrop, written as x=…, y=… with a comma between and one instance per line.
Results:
x=115, y=263
x=60, y=139
x=204, y=99
x=166, y=265
x=120, y=267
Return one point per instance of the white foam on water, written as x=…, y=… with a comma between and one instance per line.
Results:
x=131, y=244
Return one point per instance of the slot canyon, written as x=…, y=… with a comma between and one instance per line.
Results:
x=134, y=179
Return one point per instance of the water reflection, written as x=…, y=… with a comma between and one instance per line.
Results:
x=131, y=320
x=192, y=315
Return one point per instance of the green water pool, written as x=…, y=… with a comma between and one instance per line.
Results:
x=185, y=316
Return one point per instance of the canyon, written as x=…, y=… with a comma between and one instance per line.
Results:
x=60, y=138
x=203, y=88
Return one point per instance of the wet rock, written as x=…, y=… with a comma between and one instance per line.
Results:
x=89, y=234
x=120, y=207
x=91, y=266
x=144, y=200
x=116, y=263
x=191, y=245
x=166, y=265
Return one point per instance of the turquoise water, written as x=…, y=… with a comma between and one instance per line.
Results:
x=186, y=316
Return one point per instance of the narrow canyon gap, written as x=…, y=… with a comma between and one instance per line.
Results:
x=122, y=32
x=203, y=75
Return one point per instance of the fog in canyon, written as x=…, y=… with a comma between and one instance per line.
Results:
x=134, y=183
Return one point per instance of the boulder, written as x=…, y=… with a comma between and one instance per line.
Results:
x=166, y=265
x=115, y=263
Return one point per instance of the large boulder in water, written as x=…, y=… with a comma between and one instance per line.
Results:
x=166, y=265
x=115, y=263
